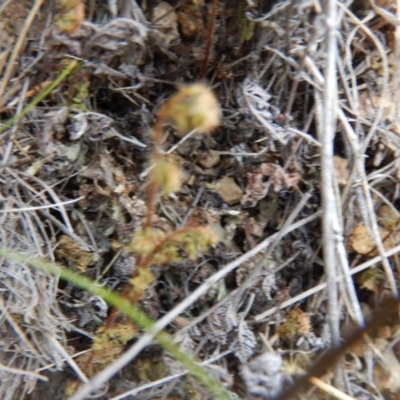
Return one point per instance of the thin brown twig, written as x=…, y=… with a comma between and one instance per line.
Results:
x=209, y=39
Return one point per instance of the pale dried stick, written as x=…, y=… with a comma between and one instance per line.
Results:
x=50, y=191
x=352, y=303
x=55, y=205
x=375, y=231
x=55, y=197
x=18, y=45
x=48, y=366
x=209, y=311
x=327, y=128
x=355, y=308
x=18, y=330
x=244, y=153
x=362, y=176
x=350, y=92
x=310, y=48
x=132, y=140
x=176, y=145
x=74, y=366
x=249, y=281
x=387, y=172
x=64, y=229
x=44, y=232
x=11, y=137
x=27, y=223
x=103, y=376
x=305, y=136
x=340, y=248
x=26, y=220
x=262, y=317
x=275, y=9
x=385, y=14
x=354, y=100
x=88, y=230
x=17, y=371
x=385, y=68
x=4, y=5
x=167, y=378
x=329, y=389
x=385, y=201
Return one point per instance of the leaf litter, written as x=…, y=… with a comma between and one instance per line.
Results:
x=73, y=187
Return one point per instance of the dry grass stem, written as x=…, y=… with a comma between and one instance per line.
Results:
x=322, y=286
x=17, y=49
x=337, y=394
x=327, y=127
x=118, y=163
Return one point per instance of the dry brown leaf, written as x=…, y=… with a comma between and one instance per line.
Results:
x=361, y=241
x=297, y=323
x=70, y=16
x=372, y=280
x=105, y=171
x=279, y=177
x=135, y=207
x=209, y=159
x=387, y=372
x=53, y=126
x=72, y=151
x=34, y=168
x=190, y=20
x=341, y=169
x=73, y=252
x=227, y=188
x=256, y=227
x=388, y=217
x=384, y=332
x=166, y=21
x=117, y=34
x=257, y=189
x=370, y=103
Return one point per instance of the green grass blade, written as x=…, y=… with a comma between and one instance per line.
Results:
x=46, y=91
x=133, y=313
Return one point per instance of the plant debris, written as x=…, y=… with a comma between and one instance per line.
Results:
x=187, y=143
